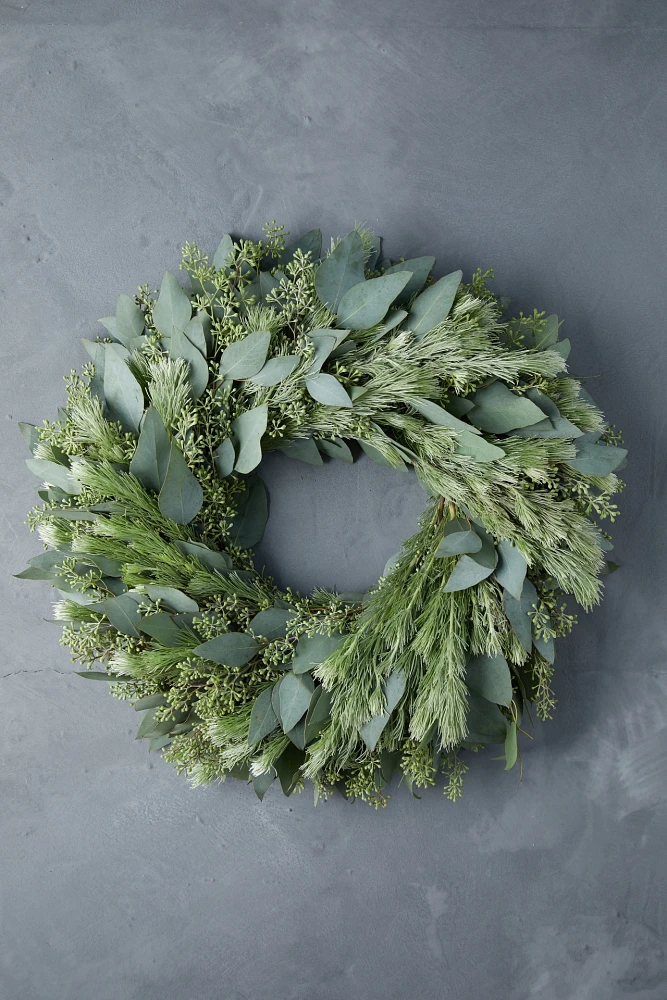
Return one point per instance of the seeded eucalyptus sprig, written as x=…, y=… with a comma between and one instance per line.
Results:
x=153, y=502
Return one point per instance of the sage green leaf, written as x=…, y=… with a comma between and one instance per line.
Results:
x=245, y=358
x=271, y=623
x=172, y=310
x=232, y=649
x=498, y=410
x=518, y=613
x=122, y=612
x=419, y=268
x=43, y=566
x=545, y=646
x=247, y=526
x=288, y=767
x=150, y=701
x=54, y=474
x=328, y=390
x=148, y=725
x=195, y=332
x=262, y=718
x=313, y=650
x=459, y=539
x=123, y=394
x=224, y=253
x=342, y=269
x=511, y=569
x=247, y=430
x=161, y=627
x=325, y=342
x=490, y=678
x=275, y=699
x=159, y=742
x=224, y=457
x=102, y=675
x=393, y=319
x=433, y=305
x=298, y=734
x=437, y=415
x=110, y=567
x=295, y=694
x=276, y=370
x=336, y=449
x=511, y=747
x=129, y=319
x=310, y=242
x=459, y=406
x=319, y=713
x=215, y=561
x=181, y=347
x=548, y=336
x=29, y=434
x=486, y=723
x=259, y=288
x=302, y=450
x=377, y=456
x=563, y=348
x=151, y=459
x=262, y=782
x=366, y=304
x=175, y=599
x=596, y=459
x=478, y=448
x=374, y=252
x=472, y=569
x=181, y=496
x=394, y=687
x=109, y=324
x=554, y=426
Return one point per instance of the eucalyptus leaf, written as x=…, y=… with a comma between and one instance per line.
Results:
x=365, y=304
x=394, y=688
x=54, y=474
x=173, y=309
x=319, y=713
x=472, y=569
x=30, y=435
x=459, y=539
x=180, y=496
x=224, y=253
x=102, y=675
x=324, y=342
x=393, y=319
x=371, y=731
x=490, y=678
x=511, y=747
x=276, y=370
x=596, y=459
x=262, y=782
x=224, y=458
x=518, y=613
x=328, y=390
x=437, y=415
x=288, y=767
x=486, y=723
x=310, y=242
x=247, y=431
x=231, y=649
x=545, y=647
x=303, y=450
x=298, y=734
x=247, y=526
x=158, y=742
x=433, y=305
x=511, y=569
x=150, y=461
x=215, y=561
x=498, y=410
x=271, y=623
x=262, y=718
x=376, y=456
x=245, y=358
x=175, y=599
x=342, y=269
x=195, y=331
x=477, y=447
x=123, y=394
x=336, y=449
x=419, y=269
x=295, y=693
x=129, y=319
x=181, y=346
x=150, y=701
x=122, y=612
x=313, y=650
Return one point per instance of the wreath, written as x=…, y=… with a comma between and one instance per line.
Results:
x=152, y=503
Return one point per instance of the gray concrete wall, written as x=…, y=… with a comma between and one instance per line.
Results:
x=525, y=136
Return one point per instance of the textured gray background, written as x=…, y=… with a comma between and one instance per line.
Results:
x=526, y=136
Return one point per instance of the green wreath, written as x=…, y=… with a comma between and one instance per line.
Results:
x=152, y=503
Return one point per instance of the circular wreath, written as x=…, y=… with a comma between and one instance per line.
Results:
x=153, y=502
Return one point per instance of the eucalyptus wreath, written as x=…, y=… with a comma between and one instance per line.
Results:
x=152, y=502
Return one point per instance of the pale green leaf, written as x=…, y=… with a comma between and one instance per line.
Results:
x=295, y=694
x=252, y=513
x=175, y=599
x=366, y=303
x=247, y=430
x=271, y=623
x=327, y=389
x=172, y=310
x=511, y=747
x=518, y=612
x=181, y=346
x=224, y=457
x=129, y=319
x=433, y=305
x=276, y=370
x=459, y=539
x=225, y=251
x=498, y=410
x=181, y=496
x=54, y=474
x=231, y=649
x=302, y=450
x=245, y=358
x=511, y=569
x=123, y=394
x=477, y=447
x=419, y=268
x=336, y=449
x=342, y=269
x=151, y=459
x=490, y=678
x=262, y=718
x=313, y=650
